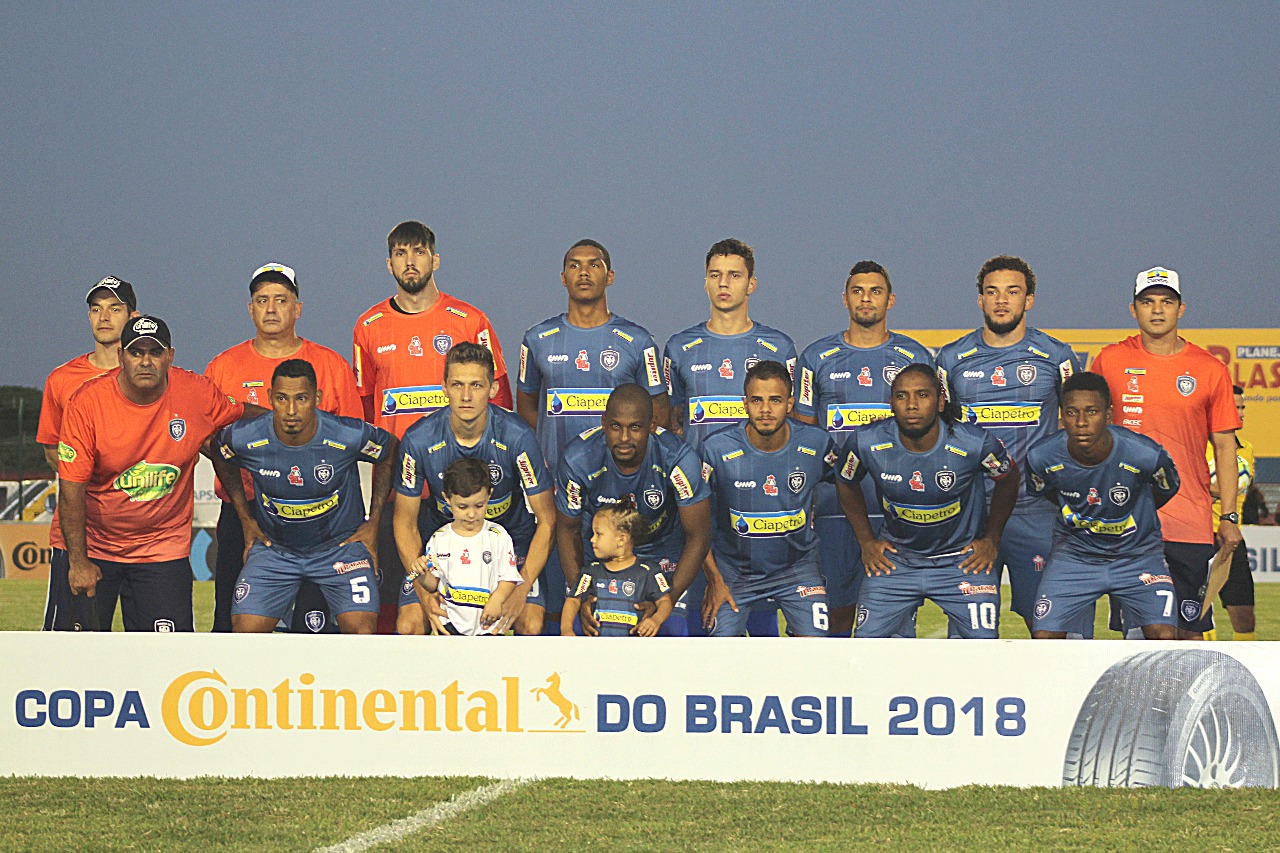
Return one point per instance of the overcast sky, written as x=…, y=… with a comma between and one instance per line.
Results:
x=180, y=146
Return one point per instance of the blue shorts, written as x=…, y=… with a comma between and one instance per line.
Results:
x=971, y=601
x=1024, y=551
x=803, y=601
x=1071, y=585
x=271, y=577
x=762, y=621
x=841, y=558
x=549, y=589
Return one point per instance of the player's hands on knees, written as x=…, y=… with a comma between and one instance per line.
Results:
x=1229, y=535
x=873, y=559
x=83, y=576
x=982, y=557
x=587, y=617
x=367, y=535
x=252, y=533
x=717, y=594
x=648, y=627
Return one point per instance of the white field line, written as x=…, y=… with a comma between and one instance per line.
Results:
x=440, y=812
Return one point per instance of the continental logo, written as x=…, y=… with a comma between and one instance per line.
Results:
x=923, y=515
x=758, y=525
x=66, y=453
x=1002, y=414
x=299, y=510
x=1125, y=527
x=147, y=482
x=576, y=401
x=846, y=416
x=201, y=707
x=716, y=410
x=418, y=400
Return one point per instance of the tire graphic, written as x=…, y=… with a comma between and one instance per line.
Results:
x=1174, y=719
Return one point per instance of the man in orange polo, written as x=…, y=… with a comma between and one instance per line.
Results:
x=1167, y=388
x=244, y=375
x=126, y=458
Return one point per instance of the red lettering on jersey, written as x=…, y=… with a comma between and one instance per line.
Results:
x=1093, y=498
x=295, y=476
x=770, y=486
x=864, y=376
x=997, y=377
x=726, y=369
x=582, y=362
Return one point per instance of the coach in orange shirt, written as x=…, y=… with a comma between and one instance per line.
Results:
x=126, y=458
x=1175, y=392
x=399, y=347
x=111, y=304
x=244, y=374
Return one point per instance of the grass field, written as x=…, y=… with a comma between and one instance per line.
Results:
x=557, y=814
x=22, y=609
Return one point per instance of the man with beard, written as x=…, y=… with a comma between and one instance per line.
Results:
x=939, y=540
x=1007, y=378
x=111, y=304
x=763, y=475
x=399, y=349
x=844, y=384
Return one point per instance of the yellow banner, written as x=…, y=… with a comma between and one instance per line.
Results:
x=24, y=550
x=1252, y=357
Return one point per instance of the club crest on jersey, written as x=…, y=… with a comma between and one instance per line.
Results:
x=1161, y=478
x=609, y=359
x=1026, y=373
x=1133, y=385
x=796, y=481
x=442, y=343
x=628, y=588
x=1186, y=385
x=864, y=377
x=415, y=346
x=997, y=377
x=750, y=362
x=1038, y=562
x=1037, y=481
x=726, y=369
x=653, y=498
x=295, y=476
x=582, y=362
x=771, y=486
x=177, y=428
x=487, y=557
x=1119, y=495
x=315, y=621
x=1092, y=498
x=613, y=585
x=890, y=373
x=495, y=473
x=323, y=472
x=945, y=479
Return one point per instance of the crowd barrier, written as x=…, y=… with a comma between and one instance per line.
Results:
x=934, y=713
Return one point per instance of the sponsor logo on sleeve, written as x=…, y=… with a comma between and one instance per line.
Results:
x=684, y=489
x=66, y=453
x=651, y=366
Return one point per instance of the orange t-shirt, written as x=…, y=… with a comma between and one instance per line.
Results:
x=1177, y=400
x=65, y=380
x=399, y=358
x=138, y=463
x=245, y=377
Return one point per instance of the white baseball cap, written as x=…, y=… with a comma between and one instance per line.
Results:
x=1157, y=277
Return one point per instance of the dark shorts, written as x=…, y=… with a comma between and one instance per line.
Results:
x=1238, y=590
x=153, y=596
x=1189, y=565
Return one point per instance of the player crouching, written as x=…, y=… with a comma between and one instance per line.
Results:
x=308, y=518
x=928, y=472
x=470, y=561
x=1109, y=482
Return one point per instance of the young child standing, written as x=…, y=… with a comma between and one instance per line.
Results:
x=470, y=561
x=617, y=579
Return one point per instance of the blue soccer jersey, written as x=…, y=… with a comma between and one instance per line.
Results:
x=508, y=447
x=1013, y=391
x=762, y=505
x=307, y=497
x=1108, y=510
x=618, y=593
x=668, y=478
x=705, y=373
x=572, y=372
x=935, y=502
